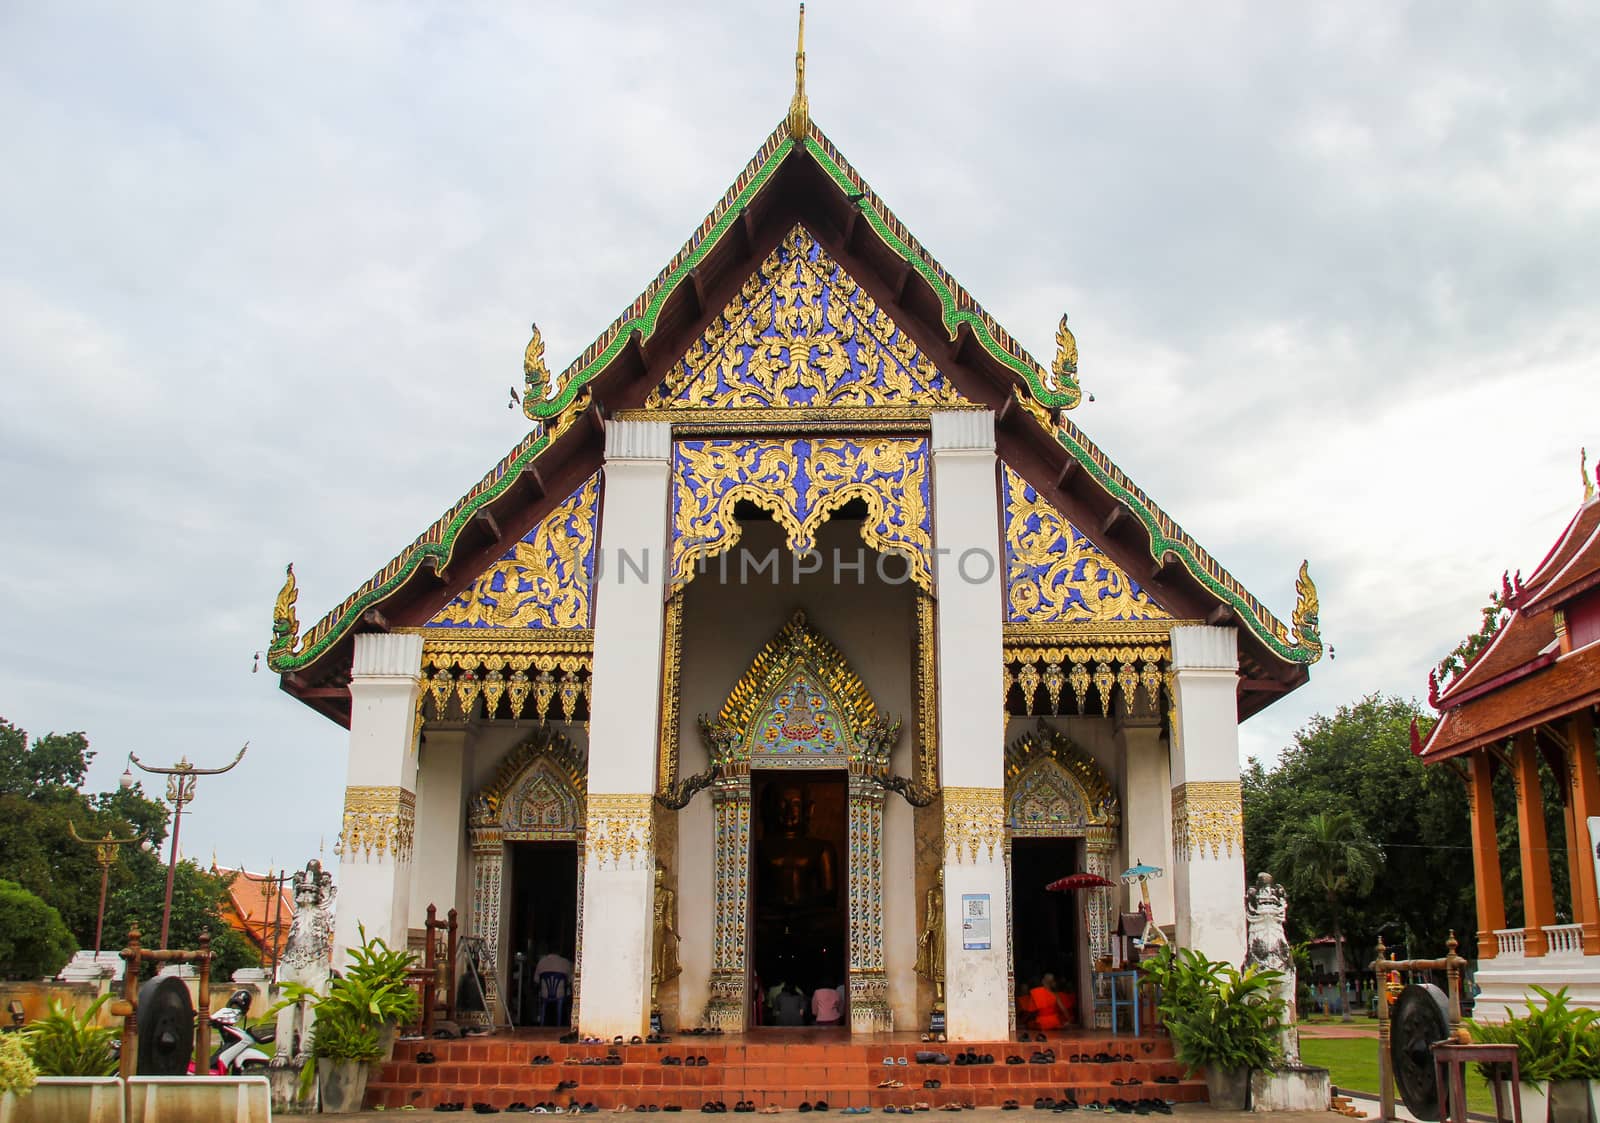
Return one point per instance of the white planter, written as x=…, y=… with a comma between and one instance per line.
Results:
x=54, y=1099
x=198, y=1099
x=1535, y=1100
x=1594, y=1100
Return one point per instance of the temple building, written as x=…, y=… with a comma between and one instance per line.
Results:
x=802, y=640
x=1528, y=699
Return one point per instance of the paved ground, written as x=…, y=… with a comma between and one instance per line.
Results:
x=1196, y=1113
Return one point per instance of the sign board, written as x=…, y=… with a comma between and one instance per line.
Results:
x=975, y=922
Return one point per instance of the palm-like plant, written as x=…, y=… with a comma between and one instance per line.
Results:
x=1331, y=854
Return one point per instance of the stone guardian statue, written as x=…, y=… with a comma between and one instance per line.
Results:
x=1267, y=945
x=305, y=960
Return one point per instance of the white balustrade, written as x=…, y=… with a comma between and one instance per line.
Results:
x=1509, y=941
x=1563, y=939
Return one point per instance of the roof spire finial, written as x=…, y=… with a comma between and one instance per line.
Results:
x=800, y=108
x=1583, y=470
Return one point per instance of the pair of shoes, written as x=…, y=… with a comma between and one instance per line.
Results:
x=744, y=1106
x=518, y=1105
x=1013, y=1059
x=932, y=1084
x=1044, y=1103
x=928, y=1057
x=426, y=1058
x=485, y=1109
x=713, y=1107
x=542, y=1059
x=1009, y=1105
x=891, y=1083
x=449, y=1107
x=890, y=1062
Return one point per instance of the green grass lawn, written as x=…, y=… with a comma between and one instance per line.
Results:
x=1353, y=1063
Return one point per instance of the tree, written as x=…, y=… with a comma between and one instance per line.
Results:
x=40, y=802
x=33, y=940
x=1359, y=759
x=1330, y=854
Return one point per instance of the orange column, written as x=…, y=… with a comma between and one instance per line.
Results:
x=1485, y=855
x=1585, y=802
x=1538, y=899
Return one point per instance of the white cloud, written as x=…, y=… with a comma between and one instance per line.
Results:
x=267, y=273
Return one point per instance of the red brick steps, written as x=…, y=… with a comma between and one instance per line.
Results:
x=496, y=1070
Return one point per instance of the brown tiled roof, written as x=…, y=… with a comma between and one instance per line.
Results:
x=1565, y=686
x=1520, y=640
x=1581, y=572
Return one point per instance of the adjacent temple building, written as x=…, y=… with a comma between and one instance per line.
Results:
x=802, y=640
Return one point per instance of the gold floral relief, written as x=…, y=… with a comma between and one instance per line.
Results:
x=802, y=333
x=1207, y=815
x=974, y=820
x=378, y=820
x=802, y=482
x=620, y=829
x=1054, y=574
x=544, y=580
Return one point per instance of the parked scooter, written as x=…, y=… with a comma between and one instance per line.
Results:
x=241, y=1050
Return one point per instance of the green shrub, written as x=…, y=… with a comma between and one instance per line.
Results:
x=63, y=1044
x=1217, y=1015
x=17, y=1074
x=1555, y=1042
x=34, y=941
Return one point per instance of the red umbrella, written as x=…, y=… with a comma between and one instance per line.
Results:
x=1079, y=881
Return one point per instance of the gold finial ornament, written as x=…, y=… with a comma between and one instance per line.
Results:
x=1066, y=364
x=800, y=108
x=535, y=373
x=285, y=626
x=1583, y=470
x=1307, y=620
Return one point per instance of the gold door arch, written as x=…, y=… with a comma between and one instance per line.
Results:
x=1054, y=789
x=538, y=794
x=851, y=735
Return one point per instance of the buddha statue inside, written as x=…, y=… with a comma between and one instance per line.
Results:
x=799, y=921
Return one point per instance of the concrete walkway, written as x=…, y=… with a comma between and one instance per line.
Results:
x=1192, y=1113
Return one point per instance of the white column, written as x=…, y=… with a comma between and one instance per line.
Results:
x=966, y=519
x=1207, y=820
x=619, y=880
x=375, y=843
x=1146, y=796
x=438, y=875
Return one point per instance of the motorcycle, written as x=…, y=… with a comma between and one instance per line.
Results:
x=241, y=1051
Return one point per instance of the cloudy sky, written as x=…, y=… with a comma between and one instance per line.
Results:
x=266, y=273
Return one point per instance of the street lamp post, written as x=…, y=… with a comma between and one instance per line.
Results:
x=180, y=790
x=105, y=855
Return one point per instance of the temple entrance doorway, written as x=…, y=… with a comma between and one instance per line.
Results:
x=799, y=883
x=543, y=923
x=1047, y=934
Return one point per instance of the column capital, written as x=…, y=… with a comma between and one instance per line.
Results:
x=638, y=440
x=387, y=655
x=1201, y=647
x=963, y=430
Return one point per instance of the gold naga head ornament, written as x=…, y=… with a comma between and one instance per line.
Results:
x=285, y=626
x=536, y=374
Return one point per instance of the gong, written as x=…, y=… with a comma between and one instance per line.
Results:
x=1420, y=1017
x=166, y=1027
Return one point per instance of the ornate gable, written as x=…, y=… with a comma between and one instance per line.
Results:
x=1054, y=574
x=544, y=580
x=802, y=334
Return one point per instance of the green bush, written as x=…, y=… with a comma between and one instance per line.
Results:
x=17, y=1074
x=1217, y=1015
x=34, y=941
x=63, y=1044
x=1553, y=1043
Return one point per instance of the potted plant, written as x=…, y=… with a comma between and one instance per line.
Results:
x=17, y=1074
x=1221, y=1020
x=1552, y=1046
x=369, y=1000
x=377, y=981
x=64, y=1044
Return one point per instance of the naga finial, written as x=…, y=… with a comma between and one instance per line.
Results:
x=535, y=374
x=1306, y=610
x=1065, y=367
x=800, y=107
x=285, y=626
x=1583, y=470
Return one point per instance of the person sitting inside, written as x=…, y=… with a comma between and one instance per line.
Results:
x=790, y=1007
x=1051, y=1008
x=826, y=1006
x=1027, y=1013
